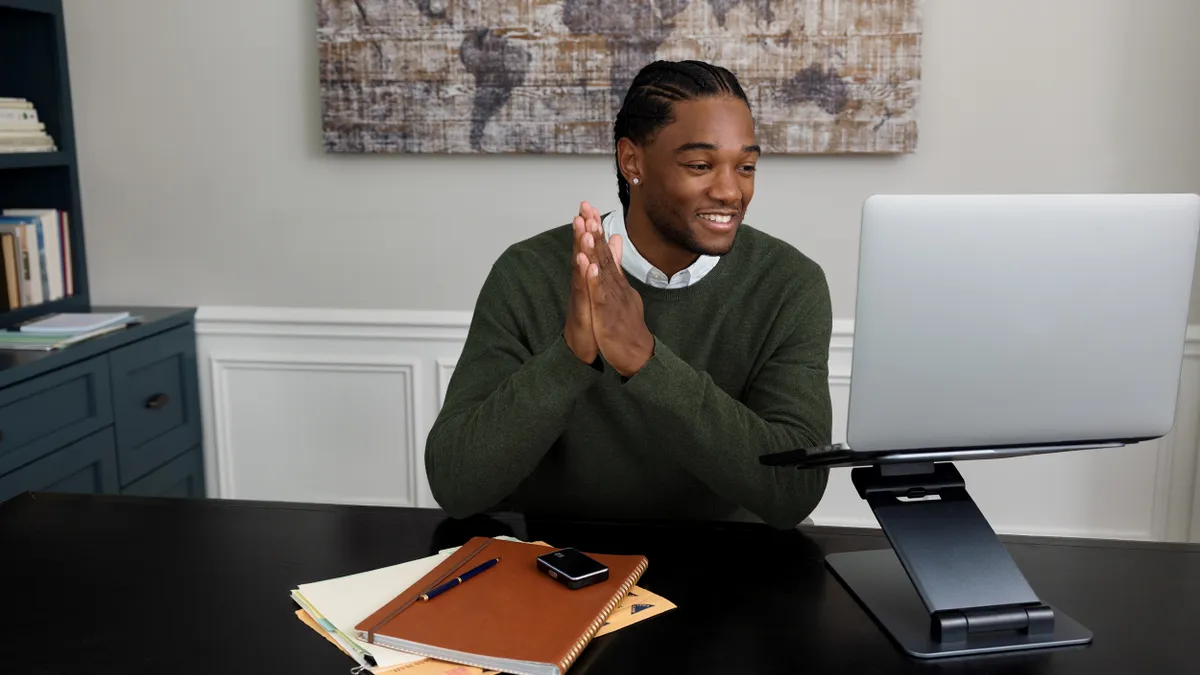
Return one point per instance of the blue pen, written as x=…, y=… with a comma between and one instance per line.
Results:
x=429, y=595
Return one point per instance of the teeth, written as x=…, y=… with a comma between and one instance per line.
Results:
x=716, y=218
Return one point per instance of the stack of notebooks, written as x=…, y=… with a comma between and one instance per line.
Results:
x=56, y=331
x=511, y=618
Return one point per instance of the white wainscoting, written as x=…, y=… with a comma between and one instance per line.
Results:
x=334, y=406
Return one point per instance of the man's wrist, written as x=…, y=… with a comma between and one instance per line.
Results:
x=645, y=351
x=596, y=363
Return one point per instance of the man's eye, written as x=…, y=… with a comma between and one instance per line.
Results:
x=697, y=167
x=749, y=168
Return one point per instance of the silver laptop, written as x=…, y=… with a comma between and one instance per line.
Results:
x=997, y=325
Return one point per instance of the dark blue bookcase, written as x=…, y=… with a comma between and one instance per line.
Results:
x=33, y=65
x=115, y=414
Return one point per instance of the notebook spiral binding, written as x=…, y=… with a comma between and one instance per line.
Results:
x=599, y=621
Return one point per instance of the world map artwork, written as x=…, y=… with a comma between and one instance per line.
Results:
x=548, y=76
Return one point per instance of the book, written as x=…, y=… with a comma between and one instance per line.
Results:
x=40, y=259
x=343, y=601
x=73, y=323
x=49, y=245
x=333, y=606
x=512, y=617
x=20, y=128
x=21, y=341
x=25, y=229
x=422, y=667
x=11, y=295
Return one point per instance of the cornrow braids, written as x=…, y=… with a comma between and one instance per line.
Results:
x=647, y=107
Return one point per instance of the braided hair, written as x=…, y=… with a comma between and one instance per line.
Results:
x=648, y=103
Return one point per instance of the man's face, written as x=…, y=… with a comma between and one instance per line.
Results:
x=698, y=174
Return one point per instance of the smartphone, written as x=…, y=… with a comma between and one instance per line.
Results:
x=572, y=568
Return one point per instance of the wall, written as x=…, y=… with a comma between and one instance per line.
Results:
x=334, y=406
x=204, y=183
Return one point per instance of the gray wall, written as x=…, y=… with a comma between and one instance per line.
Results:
x=204, y=181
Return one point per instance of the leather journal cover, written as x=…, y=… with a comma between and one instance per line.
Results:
x=511, y=617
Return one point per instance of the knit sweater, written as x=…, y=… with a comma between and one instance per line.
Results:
x=740, y=369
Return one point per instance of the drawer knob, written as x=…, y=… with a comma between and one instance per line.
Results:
x=157, y=401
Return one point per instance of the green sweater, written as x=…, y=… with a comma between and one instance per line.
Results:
x=740, y=369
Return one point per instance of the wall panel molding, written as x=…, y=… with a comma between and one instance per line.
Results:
x=1147, y=493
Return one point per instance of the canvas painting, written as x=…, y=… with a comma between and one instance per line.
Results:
x=548, y=76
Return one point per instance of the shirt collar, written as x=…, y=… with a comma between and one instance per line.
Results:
x=640, y=268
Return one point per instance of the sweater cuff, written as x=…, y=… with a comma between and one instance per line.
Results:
x=662, y=374
x=562, y=364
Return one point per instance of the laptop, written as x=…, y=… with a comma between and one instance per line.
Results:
x=992, y=326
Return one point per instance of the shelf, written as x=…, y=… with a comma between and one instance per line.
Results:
x=32, y=6
x=32, y=160
x=21, y=314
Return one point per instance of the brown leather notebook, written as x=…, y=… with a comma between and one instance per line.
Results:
x=511, y=617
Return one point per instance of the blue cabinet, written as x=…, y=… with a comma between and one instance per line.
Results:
x=115, y=414
x=155, y=400
x=180, y=477
x=87, y=465
x=45, y=413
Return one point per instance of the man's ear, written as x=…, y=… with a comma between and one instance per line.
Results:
x=629, y=159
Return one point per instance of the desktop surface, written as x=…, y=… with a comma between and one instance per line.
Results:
x=113, y=584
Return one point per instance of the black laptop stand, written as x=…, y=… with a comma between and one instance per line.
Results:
x=948, y=586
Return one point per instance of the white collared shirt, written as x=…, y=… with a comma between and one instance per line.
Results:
x=640, y=268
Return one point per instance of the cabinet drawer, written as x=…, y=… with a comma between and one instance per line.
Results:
x=181, y=477
x=42, y=415
x=155, y=401
x=89, y=465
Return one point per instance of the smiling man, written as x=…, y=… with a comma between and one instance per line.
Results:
x=635, y=365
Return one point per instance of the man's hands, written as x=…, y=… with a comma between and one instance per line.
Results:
x=617, y=316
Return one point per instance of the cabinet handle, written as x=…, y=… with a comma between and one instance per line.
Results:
x=157, y=401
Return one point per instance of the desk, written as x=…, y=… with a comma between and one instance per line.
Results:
x=91, y=580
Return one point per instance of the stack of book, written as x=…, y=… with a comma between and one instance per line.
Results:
x=60, y=330
x=35, y=257
x=510, y=619
x=20, y=128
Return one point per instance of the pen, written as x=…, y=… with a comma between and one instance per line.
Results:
x=429, y=595
x=333, y=630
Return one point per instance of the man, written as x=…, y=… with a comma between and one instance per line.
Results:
x=636, y=366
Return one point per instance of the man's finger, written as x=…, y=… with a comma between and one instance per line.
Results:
x=616, y=248
x=578, y=226
x=596, y=291
x=581, y=266
x=579, y=283
x=604, y=255
x=589, y=246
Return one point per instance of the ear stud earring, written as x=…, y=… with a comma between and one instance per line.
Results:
x=637, y=181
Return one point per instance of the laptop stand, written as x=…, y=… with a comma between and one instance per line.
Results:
x=948, y=586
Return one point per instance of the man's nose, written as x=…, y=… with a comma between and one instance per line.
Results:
x=725, y=188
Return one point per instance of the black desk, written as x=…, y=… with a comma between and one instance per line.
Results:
x=94, y=584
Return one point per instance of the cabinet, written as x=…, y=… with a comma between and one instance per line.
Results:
x=117, y=414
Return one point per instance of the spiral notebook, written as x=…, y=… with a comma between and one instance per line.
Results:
x=512, y=618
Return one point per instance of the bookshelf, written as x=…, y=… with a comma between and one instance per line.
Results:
x=33, y=66
x=117, y=413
